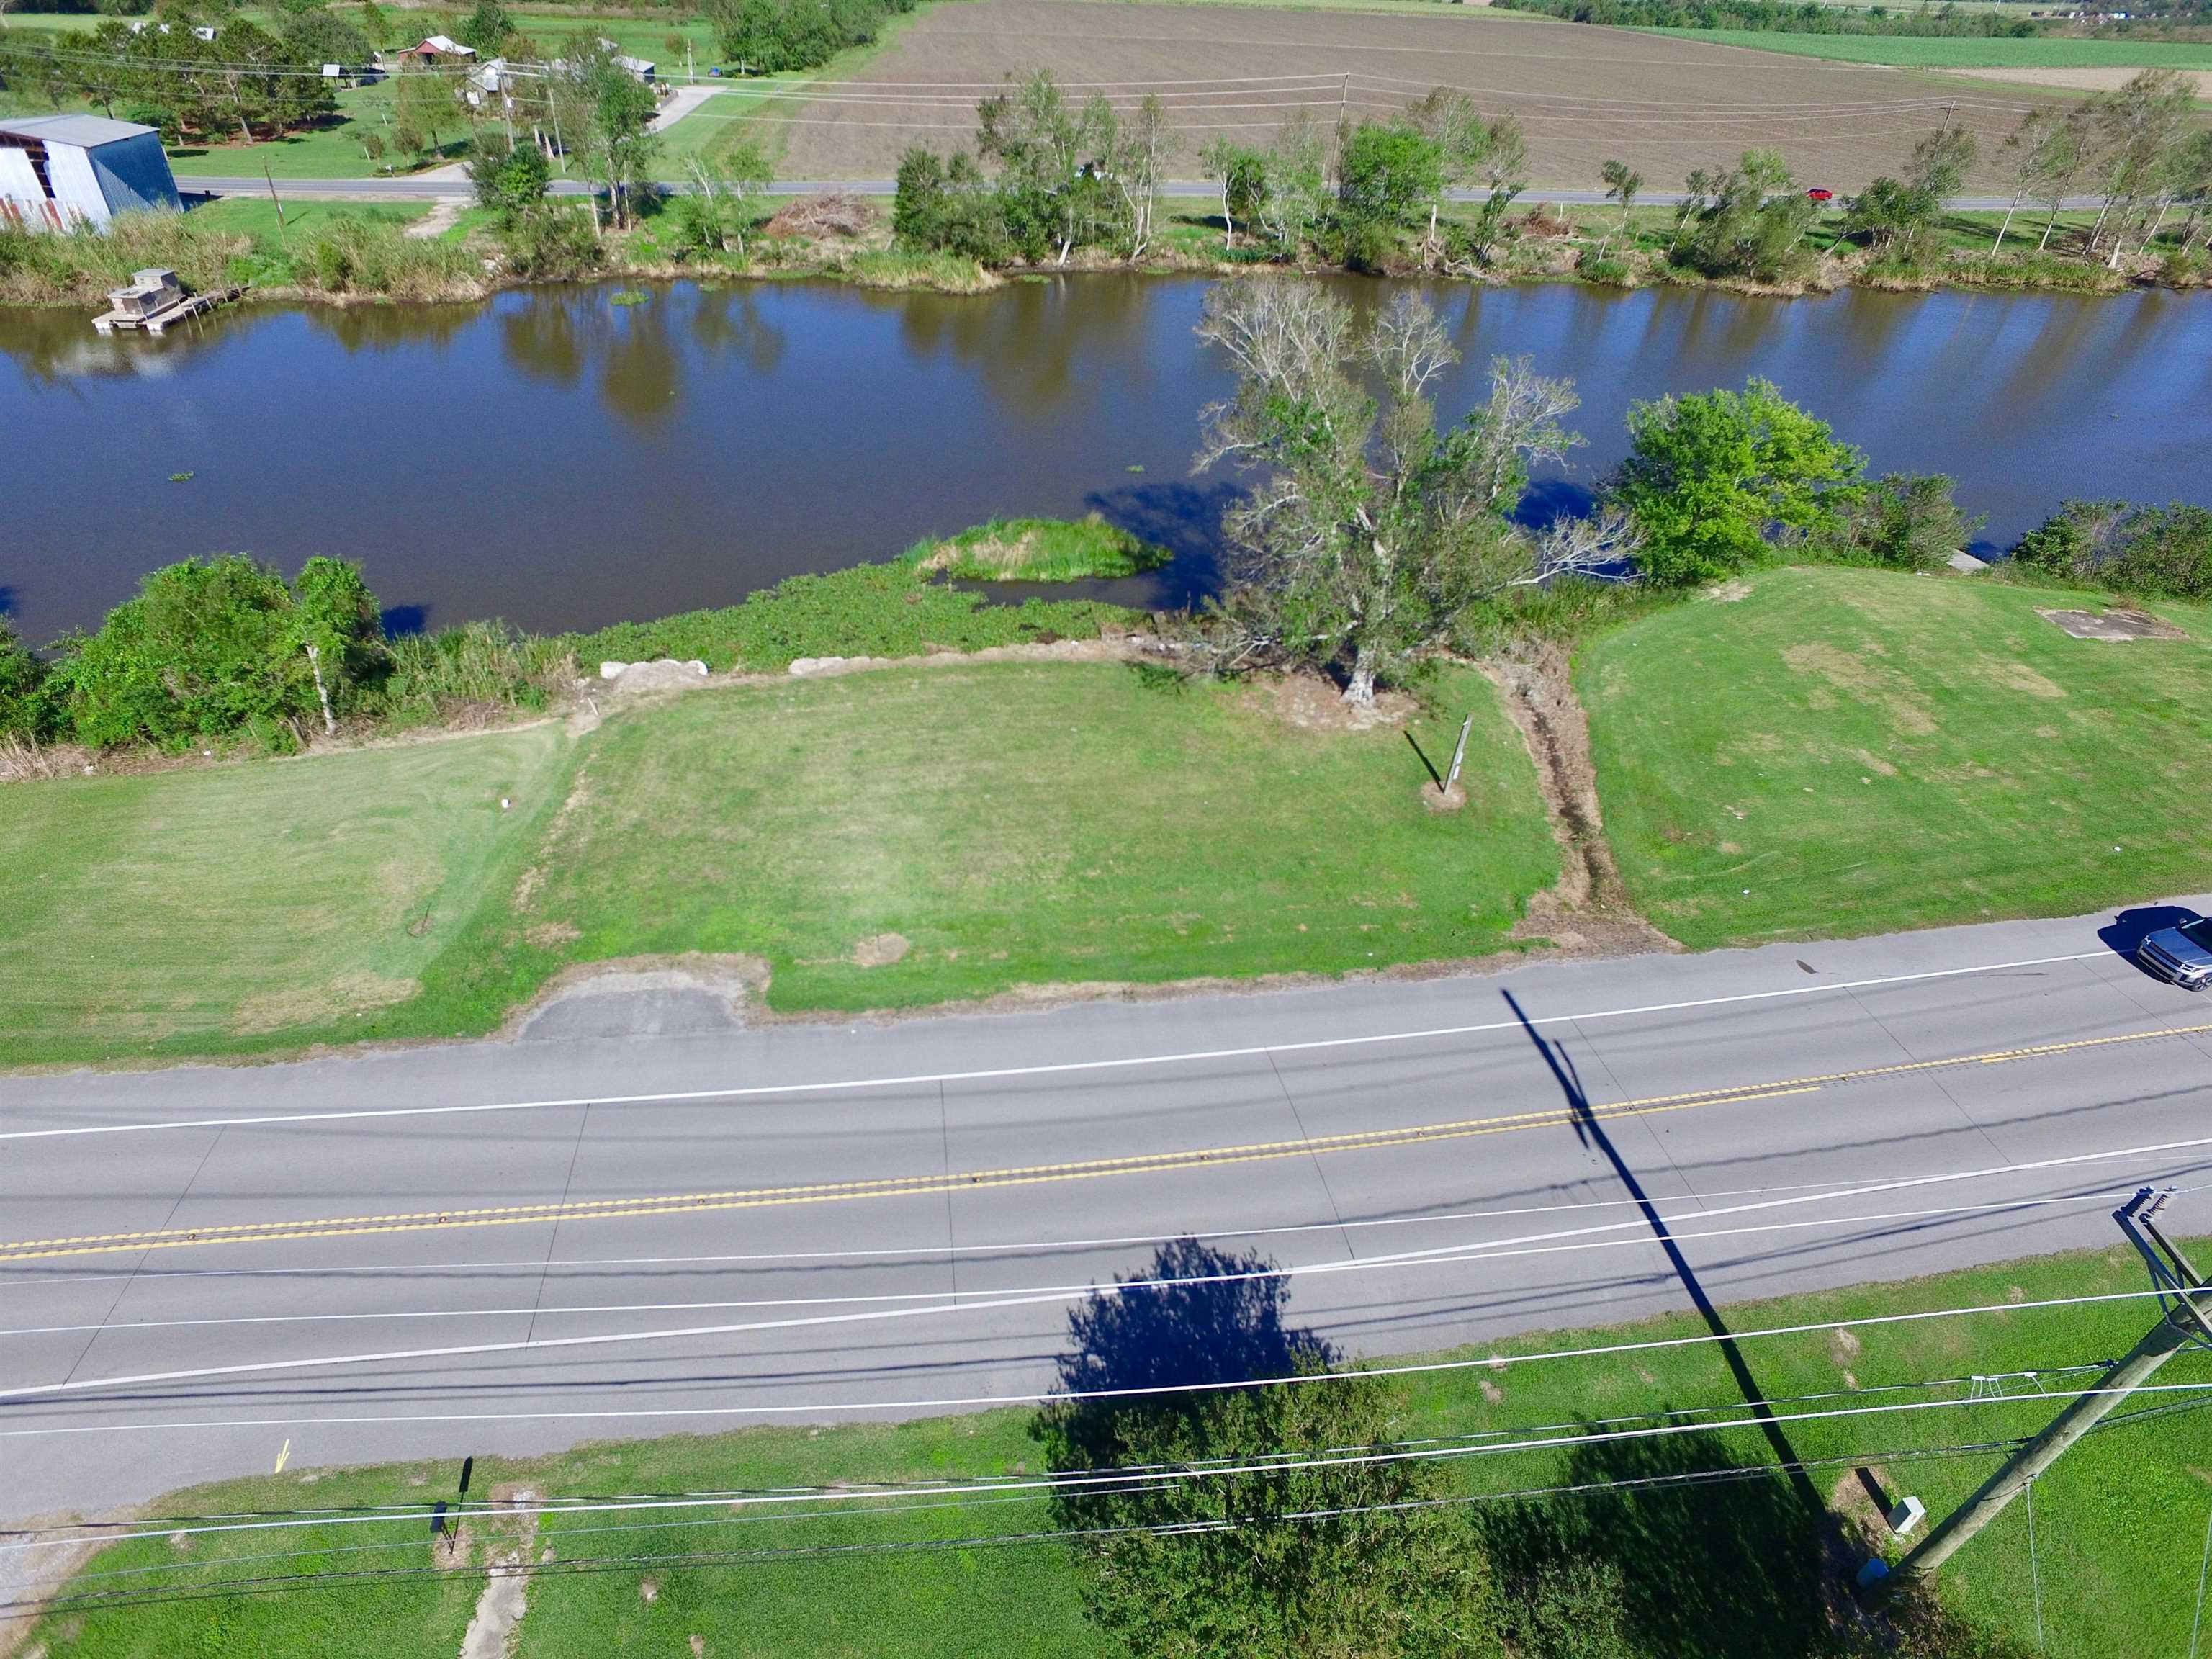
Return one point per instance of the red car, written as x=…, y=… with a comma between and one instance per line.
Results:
x=1819, y=196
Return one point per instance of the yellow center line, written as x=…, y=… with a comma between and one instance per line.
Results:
x=1020, y=1175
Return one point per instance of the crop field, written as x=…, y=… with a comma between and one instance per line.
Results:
x=1664, y=104
x=1914, y=51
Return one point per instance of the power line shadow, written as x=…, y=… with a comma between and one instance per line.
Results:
x=1592, y=1133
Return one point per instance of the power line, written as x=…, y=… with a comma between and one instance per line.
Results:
x=1145, y=1478
x=306, y=1581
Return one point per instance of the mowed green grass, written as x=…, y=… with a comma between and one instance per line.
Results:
x=1849, y=751
x=1948, y=51
x=1026, y=823
x=240, y=906
x=1727, y=1571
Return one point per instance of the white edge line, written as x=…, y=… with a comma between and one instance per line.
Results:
x=921, y=1078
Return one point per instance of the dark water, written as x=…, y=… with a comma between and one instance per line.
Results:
x=561, y=461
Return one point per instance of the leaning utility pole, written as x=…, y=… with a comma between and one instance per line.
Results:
x=2187, y=1320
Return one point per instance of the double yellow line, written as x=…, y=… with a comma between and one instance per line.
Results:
x=830, y=1192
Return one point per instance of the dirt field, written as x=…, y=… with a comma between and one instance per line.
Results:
x=1664, y=105
x=2079, y=80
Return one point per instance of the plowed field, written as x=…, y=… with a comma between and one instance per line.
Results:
x=1665, y=104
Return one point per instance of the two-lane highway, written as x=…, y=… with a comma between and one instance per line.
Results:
x=511, y=1246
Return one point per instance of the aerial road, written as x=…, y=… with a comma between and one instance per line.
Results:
x=642, y=1215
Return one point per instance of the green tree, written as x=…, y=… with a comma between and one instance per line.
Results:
x=948, y=205
x=616, y=140
x=1297, y=196
x=486, y=28
x=1748, y=221
x=712, y=214
x=423, y=105
x=1053, y=162
x=1890, y=215
x=510, y=179
x=1241, y=173
x=1372, y=531
x=317, y=36
x=1709, y=477
x=2139, y=128
x=1388, y=173
x=1339, y=1561
x=1623, y=184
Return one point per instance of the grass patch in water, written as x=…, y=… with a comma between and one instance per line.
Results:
x=1039, y=550
x=893, y=610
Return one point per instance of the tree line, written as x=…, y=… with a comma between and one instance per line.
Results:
x=2140, y=148
x=1049, y=178
x=1777, y=17
x=775, y=37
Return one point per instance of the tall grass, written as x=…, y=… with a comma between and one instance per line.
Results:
x=479, y=669
x=346, y=254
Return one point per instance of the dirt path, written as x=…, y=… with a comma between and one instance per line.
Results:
x=1589, y=910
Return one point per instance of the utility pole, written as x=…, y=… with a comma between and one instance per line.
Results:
x=2185, y=1320
x=1949, y=110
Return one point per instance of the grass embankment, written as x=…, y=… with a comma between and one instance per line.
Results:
x=1021, y=824
x=1039, y=550
x=224, y=909
x=1962, y=52
x=1016, y=823
x=1732, y=1570
x=1864, y=751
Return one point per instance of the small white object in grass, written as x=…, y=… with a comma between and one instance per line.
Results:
x=502, y=803
x=1747, y=892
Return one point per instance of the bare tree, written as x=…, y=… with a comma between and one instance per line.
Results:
x=1601, y=547
x=1369, y=532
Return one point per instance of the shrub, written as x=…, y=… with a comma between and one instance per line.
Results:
x=1709, y=477
x=2159, y=551
x=25, y=709
x=351, y=254
x=1607, y=273
x=510, y=179
x=948, y=206
x=551, y=243
x=214, y=650
x=1903, y=521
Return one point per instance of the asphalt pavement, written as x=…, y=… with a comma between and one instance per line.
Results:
x=643, y=1216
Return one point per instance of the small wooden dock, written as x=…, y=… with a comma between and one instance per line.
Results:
x=191, y=305
x=154, y=299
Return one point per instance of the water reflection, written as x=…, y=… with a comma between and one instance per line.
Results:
x=561, y=461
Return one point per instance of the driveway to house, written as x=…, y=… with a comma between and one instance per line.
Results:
x=641, y=1216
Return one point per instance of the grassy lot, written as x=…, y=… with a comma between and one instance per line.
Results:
x=244, y=906
x=256, y=216
x=1946, y=51
x=1864, y=751
x=1021, y=824
x=2113, y=1518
